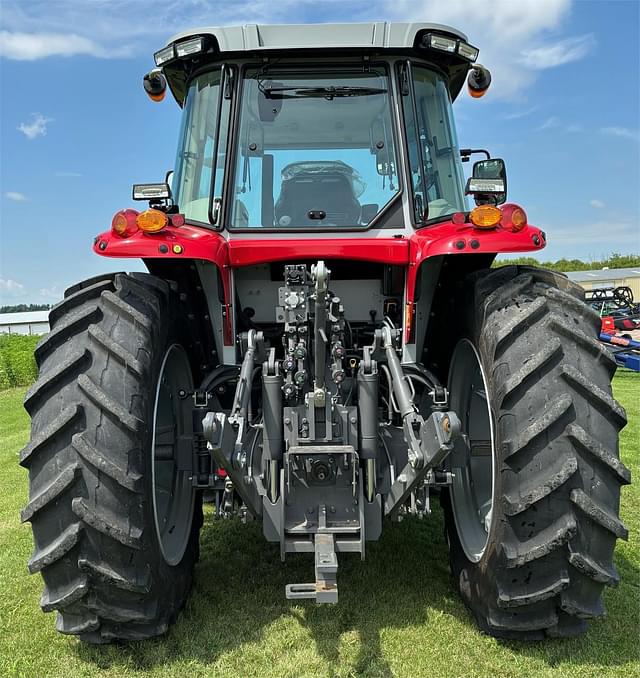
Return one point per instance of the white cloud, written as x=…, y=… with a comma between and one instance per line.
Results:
x=120, y=28
x=508, y=31
x=618, y=235
x=511, y=20
x=556, y=124
x=15, y=196
x=504, y=30
x=36, y=128
x=11, y=288
x=51, y=294
x=549, y=123
x=597, y=204
x=516, y=115
x=559, y=53
x=31, y=46
x=623, y=132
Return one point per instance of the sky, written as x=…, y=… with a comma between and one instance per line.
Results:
x=76, y=129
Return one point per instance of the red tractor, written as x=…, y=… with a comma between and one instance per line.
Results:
x=321, y=344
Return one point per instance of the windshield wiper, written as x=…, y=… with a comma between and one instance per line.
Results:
x=328, y=93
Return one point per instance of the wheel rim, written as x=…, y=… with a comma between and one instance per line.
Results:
x=472, y=460
x=173, y=493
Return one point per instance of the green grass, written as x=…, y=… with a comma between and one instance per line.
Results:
x=17, y=363
x=398, y=613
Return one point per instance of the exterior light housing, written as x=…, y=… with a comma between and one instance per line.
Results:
x=440, y=42
x=488, y=183
x=514, y=218
x=450, y=45
x=124, y=223
x=155, y=84
x=152, y=221
x=468, y=51
x=478, y=81
x=189, y=47
x=164, y=55
x=485, y=216
x=160, y=191
x=475, y=185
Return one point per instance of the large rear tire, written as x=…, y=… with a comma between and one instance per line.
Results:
x=104, y=492
x=532, y=517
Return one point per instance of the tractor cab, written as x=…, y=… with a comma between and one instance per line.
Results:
x=315, y=128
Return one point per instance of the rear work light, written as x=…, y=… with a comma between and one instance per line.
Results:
x=160, y=191
x=468, y=51
x=164, y=55
x=444, y=43
x=189, y=47
x=485, y=216
x=440, y=42
x=124, y=223
x=152, y=221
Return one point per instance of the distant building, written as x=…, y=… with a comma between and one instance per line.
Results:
x=608, y=278
x=29, y=322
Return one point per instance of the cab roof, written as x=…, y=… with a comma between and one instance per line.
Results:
x=372, y=35
x=316, y=40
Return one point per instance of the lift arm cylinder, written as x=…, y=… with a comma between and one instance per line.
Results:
x=368, y=412
x=273, y=432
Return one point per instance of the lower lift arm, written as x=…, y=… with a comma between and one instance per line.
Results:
x=228, y=435
x=428, y=441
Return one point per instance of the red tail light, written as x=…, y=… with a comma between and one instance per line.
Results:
x=124, y=223
x=514, y=218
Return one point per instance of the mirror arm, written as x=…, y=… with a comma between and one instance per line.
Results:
x=466, y=153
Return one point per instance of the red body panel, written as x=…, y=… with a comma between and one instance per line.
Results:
x=382, y=250
x=449, y=238
x=206, y=245
x=197, y=243
x=200, y=243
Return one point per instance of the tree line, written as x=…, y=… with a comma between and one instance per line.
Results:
x=566, y=265
x=21, y=308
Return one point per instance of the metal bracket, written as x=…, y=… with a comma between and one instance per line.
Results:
x=222, y=441
x=325, y=588
x=437, y=437
x=440, y=397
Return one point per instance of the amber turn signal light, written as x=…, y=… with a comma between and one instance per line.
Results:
x=155, y=85
x=485, y=216
x=152, y=221
x=478, y=81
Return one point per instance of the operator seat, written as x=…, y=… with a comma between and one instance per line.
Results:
x=313, y=192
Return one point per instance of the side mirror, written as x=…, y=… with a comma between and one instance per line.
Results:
x=168, y=179
x=488, y=182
